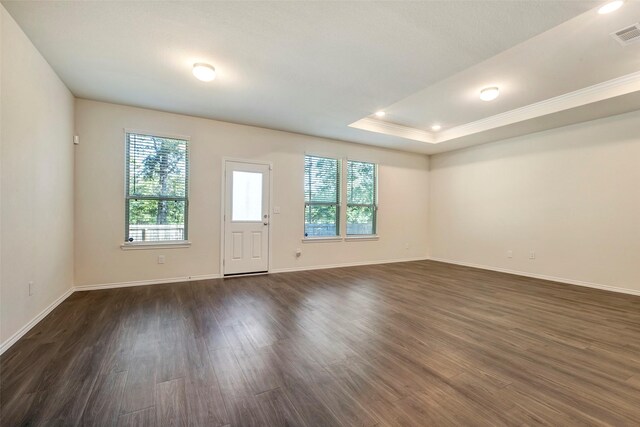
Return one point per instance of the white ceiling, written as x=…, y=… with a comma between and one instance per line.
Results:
x=572, y=56
x=317, y=67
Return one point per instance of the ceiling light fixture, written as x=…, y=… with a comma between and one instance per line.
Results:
x=436, y=128
x=610, y=7
x=489, y=93
x=380, y=113
x=204, y=72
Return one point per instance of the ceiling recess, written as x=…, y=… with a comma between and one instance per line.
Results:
x=627, y=35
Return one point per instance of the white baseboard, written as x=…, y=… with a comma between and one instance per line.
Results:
x=542, y=276
x=26, y=328
x=347, y=264
x=20, y=333
x=218, y=276
x=146, y=282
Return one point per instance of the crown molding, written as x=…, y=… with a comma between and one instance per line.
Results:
x=388, y=128
x=598, y=92
x=608, y=89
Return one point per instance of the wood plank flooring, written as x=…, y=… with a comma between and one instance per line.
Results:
x=418, y=343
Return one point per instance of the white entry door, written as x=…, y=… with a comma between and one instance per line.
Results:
x=246, y=219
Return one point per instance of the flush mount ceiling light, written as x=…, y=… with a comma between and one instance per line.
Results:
x=610, y=7
x=204, y=72
x=489, y=93
x=436, y=128
x=380, y=113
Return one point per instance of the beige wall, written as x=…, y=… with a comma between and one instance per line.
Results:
x=403, y=183
x=36, y=182
x=572, y=195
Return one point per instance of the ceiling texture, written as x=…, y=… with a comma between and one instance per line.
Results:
x=324, y=68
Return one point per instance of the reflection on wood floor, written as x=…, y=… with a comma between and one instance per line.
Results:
x=416, y=343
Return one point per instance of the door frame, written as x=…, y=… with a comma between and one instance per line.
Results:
x=223, y=205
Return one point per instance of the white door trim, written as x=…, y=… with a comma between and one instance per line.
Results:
x=223, y=201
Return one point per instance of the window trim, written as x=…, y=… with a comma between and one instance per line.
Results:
x=160, y=244
x=361, y=237
x=322, y=239
x=156, y=244
x=338, y=203
x=374, y=205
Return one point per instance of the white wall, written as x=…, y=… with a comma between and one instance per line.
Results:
x=36, y=181
x=403, y=184
x=572, y=195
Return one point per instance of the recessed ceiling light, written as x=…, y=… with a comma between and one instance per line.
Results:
x=380, y=113
x=204, y=72
x=610, y=7
x=489, y=93
x=436, y=128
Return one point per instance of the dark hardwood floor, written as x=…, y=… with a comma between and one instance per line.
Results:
x=419, y=343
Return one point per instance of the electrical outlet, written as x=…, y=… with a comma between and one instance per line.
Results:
x=31, y=288
x=509, y=254
x=406, y=246
x=298, y=252
x=160, y=259
x=532, y=255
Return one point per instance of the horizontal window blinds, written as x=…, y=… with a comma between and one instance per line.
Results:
x=320, y=180
x=158, y=167
x=361, y=198
x=157, y=187
x=361, y=183
x=321, y=195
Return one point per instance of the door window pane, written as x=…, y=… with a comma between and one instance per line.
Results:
x=247, y=196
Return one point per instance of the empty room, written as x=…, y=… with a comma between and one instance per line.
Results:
x=320, y=213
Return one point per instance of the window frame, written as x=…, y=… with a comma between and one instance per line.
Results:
x=374, y=205
x=184, y=242
x=338, y=204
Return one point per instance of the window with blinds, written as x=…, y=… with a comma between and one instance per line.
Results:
x=157, y=171
x=321, y=197
x=361, y=198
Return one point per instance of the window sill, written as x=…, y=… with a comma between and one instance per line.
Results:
x=155, y=245
x=321, y=239
x=362, y=238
